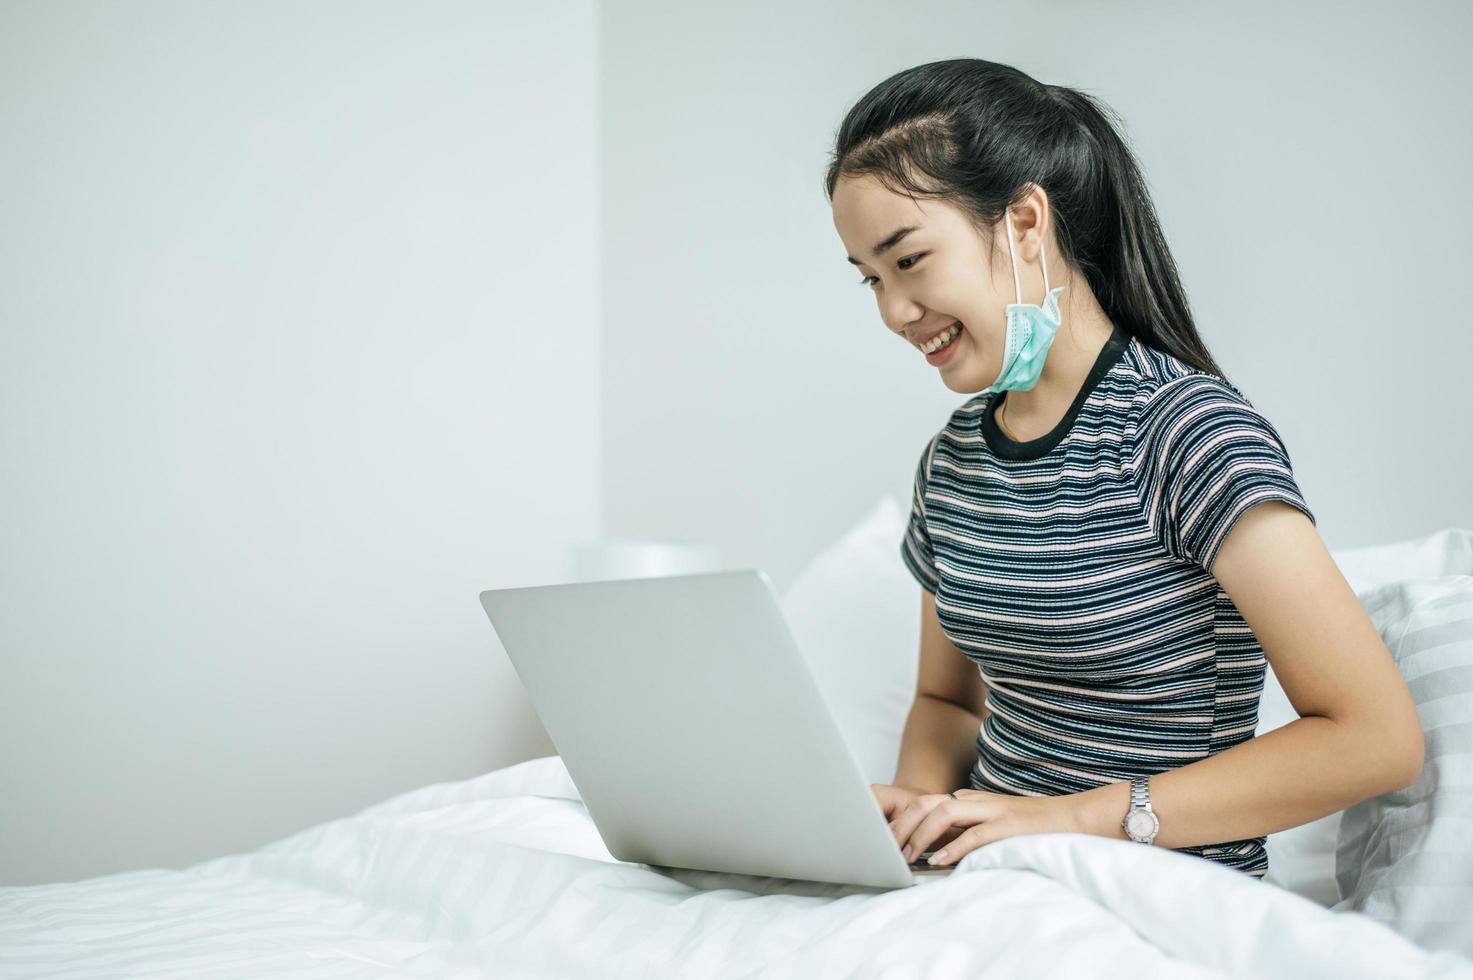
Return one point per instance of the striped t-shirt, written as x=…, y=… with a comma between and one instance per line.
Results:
x=1075, y=570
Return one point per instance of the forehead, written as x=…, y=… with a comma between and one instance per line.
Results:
x=866, y=212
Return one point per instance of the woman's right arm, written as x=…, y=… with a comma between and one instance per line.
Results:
x=939, y=744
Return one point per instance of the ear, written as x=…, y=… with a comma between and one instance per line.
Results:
x=1031, y=218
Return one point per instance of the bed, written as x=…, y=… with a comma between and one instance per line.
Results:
x=504, y=875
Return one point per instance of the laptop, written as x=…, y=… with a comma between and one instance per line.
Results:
x=694, y=730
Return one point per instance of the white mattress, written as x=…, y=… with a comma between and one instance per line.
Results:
x=505, y=876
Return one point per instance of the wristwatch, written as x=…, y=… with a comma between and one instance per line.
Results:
x=1140, y=823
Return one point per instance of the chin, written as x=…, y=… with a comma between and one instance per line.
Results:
x=963, y=381
x=960, y=389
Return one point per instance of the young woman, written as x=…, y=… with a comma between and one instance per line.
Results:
x=1108, y=535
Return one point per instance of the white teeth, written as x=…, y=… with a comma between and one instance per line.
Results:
x=942, y=339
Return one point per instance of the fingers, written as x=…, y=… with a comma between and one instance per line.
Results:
x=887, y=798
x=928, y=830
x=975, y=836
x=940, y=843
x=948, y=827
x=922, y=822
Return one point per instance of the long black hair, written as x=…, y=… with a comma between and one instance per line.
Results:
x=978, y=133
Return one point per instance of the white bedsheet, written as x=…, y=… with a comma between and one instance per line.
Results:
x=504, y=875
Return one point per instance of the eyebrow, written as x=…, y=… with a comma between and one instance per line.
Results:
x=890, y=242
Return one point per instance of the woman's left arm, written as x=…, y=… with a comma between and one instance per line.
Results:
x=1358, y=735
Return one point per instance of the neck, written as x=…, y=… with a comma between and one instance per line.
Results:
x=1082, y=334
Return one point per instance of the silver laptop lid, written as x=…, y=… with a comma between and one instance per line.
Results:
x=693, y=728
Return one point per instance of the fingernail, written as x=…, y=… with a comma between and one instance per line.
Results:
x=936, y=858
x=905, y=852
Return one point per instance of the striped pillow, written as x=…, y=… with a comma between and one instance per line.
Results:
x=1406, y=857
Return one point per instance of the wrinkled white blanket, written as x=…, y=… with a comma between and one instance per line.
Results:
x=504, y=875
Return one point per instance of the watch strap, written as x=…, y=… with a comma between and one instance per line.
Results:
x=1140, y=802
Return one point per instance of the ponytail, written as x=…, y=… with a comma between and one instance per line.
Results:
x=1118, y=239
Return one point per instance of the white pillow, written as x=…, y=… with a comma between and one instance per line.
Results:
x=1445, y=552
x=1406, y=857
x=856, y=613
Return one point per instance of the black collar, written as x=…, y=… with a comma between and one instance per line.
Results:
x=1006, y=448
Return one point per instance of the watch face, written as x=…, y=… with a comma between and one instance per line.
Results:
x=1141, y=823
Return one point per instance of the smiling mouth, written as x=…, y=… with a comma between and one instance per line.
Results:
x=943, y=338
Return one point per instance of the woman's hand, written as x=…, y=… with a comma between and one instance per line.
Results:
x=894, y=800
x=975, y=818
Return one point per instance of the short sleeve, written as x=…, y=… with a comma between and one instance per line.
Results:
x=915, y=547
x=1215, y=456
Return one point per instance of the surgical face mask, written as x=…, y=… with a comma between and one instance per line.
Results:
x=1030, y=331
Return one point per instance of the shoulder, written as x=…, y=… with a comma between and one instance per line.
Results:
x=1201, y=411
x=1200, y=436
x=1167, y=382
x=1204, y=457
x=1180, y=398
x=1181, y=414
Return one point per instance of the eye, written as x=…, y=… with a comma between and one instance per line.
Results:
x=900, y=264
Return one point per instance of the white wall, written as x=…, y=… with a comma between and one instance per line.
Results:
x=279, y=395
x=1307, y=161
x=276, y=283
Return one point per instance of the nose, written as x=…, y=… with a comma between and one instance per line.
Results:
x=899, y=314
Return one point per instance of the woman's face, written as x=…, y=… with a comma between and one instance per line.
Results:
x=934, y=275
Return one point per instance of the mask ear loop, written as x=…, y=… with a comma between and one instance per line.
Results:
x=1042, y=255
x=1017, y=283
